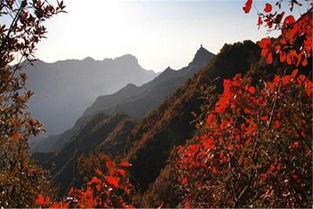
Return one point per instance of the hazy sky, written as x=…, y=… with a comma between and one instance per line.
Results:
x=158, y=33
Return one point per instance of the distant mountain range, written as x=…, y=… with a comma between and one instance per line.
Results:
x=132, y=100
x=137, y=101
x=64, y=89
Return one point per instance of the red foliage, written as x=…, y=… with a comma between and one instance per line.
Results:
x=268, y=8
x=100, y=192
x=42, y=201
x=294, y=46
x=247, y=6
x=125, y=164
x=241, y=146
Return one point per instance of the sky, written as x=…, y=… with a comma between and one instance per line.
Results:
x=159, y=33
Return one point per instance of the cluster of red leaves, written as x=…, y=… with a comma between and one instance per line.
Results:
x=294, y=46
x=254, y=149
x=102, y=191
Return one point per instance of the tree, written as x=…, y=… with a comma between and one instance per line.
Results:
x=20, y=31
x=109, y=186
x=253, y=147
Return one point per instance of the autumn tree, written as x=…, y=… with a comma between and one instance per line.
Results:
x=21, y=29
x=108, y=186
x=254, y=148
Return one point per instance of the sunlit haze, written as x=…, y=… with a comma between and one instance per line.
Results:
x=158, y=33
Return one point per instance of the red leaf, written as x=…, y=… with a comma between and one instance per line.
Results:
x=71, y=191
x=209, y=118
x=109, y=164
x=269, y=59
x=252, y=90
x=264, y=52
x=126, y=164
x=121, y=171
x=98, y=188
x=286, y=79
x=42, y=201
x=301, y=79
x=247, y=6
x=265, y=43
x=282, y=57
x=184, y=181
x=247, y=110
x=289, y=59
x=289, y=19
x=98, y=171
x=114, y=181
x=304, y=62
x=268, y=8
x=294, y=73
x=295, y=145
x=260, y=21
x=94, y=180
x=277, y=124
x=271, y=168
x=187, y=204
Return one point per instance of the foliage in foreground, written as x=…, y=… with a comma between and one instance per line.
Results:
x=254, y=150
x=21, y=29
x=255, y=147
x=108, y=188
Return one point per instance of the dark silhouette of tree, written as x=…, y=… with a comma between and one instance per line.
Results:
x=21, y=29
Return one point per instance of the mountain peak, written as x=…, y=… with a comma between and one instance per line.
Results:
x=202, y=55
x=127, y=58
x=89, y=59
x=169, y=68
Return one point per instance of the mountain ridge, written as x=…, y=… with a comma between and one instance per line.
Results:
x=200, y=59
x=63, y=89
x=133, y=100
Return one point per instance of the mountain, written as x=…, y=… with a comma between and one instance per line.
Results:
x=170, y=125
x=148, y=142
x=132, y=100
x=64, y=89
x=137, y=101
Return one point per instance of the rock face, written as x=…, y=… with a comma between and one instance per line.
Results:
x=64, y=89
